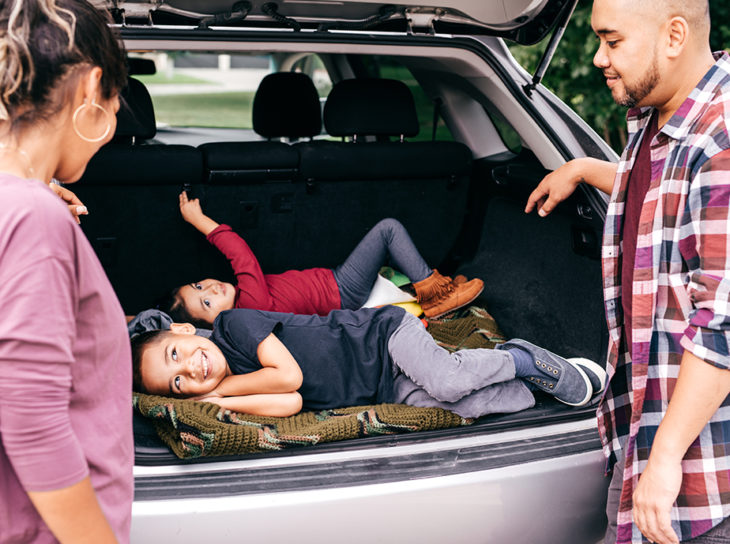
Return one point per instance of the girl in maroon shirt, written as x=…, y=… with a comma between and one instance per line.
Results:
x=315, y=290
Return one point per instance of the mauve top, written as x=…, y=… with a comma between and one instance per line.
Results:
x=65, y=366
x=310, y=291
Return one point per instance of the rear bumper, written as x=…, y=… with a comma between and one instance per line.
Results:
x=534, y=486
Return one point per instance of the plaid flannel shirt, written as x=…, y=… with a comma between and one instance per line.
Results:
x=680, y=301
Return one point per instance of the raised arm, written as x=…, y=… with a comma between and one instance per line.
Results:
x=560, y=184
x=193, y=214
x=280, y=373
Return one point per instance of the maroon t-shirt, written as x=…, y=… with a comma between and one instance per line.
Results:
x=638, y=185
x=311, y=291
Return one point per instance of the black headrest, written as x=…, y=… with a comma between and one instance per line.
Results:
x=136, y=116
x=373, y=107
x=286, y=104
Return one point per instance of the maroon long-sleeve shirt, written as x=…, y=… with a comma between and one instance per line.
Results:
x=310, y=291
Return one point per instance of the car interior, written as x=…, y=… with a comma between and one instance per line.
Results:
x=315, y=174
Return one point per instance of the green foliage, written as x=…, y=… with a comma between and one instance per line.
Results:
x=573, y=78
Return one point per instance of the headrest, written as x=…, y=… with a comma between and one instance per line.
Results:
x=136, y=116
x=286, y=104
x=372, y=107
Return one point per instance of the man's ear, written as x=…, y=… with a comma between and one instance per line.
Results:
x=678, y=36
x=182, y=328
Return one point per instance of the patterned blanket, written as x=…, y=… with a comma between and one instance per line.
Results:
x=200, y=429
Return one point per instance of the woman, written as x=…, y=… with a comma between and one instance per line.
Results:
x=66, y=448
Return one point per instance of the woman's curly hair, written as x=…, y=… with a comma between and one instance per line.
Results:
x=42, y=45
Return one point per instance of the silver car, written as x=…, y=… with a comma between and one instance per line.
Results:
x=487, y=133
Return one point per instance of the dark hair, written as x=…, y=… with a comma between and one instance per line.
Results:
x=140, y=343
x=41, y=43
x=172, y=304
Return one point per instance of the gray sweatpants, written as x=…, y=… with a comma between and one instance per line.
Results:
x=470, y=382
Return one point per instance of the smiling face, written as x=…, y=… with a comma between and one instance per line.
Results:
x=628, y=51
x=205, y=299
x=182, y=364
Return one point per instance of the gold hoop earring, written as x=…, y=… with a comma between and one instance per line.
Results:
x=76, y=128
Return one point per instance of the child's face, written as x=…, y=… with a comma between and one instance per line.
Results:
x=182, y=365
x=207, y=298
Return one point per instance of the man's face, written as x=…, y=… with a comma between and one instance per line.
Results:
x=627, y=52
x=182, y=365
x=205, y=299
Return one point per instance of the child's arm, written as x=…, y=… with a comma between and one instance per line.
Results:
x=193, y=214
x=271, y=404
x=280, y=373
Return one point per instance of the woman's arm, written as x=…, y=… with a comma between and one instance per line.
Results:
x=273, y=404
x=280, y=373
x=73, y=514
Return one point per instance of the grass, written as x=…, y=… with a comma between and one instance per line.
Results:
x=161, y=79
x=233, y=110
x=222, y=110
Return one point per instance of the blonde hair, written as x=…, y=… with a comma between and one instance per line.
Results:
x=41, y=43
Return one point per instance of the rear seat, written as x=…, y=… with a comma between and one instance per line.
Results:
x=286, y=105
x=254, y=186
x=423, y=184
x=130, y=188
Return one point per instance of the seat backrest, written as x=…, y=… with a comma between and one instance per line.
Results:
x=134, y=221
x=379, y=173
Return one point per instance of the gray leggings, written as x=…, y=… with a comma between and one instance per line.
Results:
x=356, y=276
x=470, y=382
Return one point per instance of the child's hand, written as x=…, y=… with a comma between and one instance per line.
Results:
x=193, y=214
x=190, y=209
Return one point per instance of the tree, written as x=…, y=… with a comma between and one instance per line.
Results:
x=573, y=78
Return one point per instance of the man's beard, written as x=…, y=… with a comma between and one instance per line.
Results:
x=636, y=93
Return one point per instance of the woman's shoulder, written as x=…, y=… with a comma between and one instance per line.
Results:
x=32, y=215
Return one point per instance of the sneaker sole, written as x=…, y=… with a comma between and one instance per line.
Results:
x=456, y=307
x=589, y=387
x=595, y=368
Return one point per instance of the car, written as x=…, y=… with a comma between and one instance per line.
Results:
x=427, y=118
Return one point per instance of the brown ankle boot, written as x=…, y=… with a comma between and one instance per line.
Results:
x=439, y=295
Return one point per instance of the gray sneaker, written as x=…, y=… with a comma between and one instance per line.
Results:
x=595, y=372
x=566, y=381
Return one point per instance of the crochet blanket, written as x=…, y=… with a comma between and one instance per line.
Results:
x=199, y=429
x=468, y=328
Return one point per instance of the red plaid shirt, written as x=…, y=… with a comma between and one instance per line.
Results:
x=680, y=300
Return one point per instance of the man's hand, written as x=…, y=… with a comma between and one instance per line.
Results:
x=75, y=206
x=560, y=184
x=193, y=214
x=654, y=495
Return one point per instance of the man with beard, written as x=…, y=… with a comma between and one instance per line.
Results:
x=665, y=417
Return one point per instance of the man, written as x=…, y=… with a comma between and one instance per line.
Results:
x=665, y=418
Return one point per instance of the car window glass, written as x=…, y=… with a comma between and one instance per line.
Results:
x=205, y=89
x=391, y=68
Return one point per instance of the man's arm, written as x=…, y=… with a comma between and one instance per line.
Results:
x=560, y=184
x=280, y=373
x=73, y=514
x=699, y=391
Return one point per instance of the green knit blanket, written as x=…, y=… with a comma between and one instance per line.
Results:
x=200, y=429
